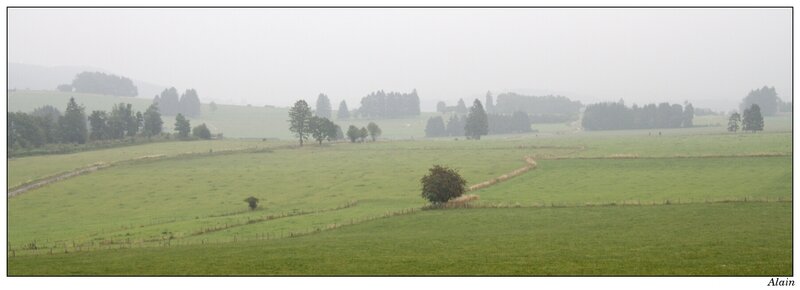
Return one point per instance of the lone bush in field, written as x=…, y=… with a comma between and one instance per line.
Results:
x=442, y=184
x=252, y=202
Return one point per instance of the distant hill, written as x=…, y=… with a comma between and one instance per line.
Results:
x=35, y=77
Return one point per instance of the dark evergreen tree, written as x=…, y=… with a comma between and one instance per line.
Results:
x=461, y=108
x=435, y=127
x=98, y=123
x=189, y=104
x=455, y=126
x=182, y=126
x=152, y=121
x=73, y=124
x=299, y=116
x=343, y=113
x=752, y=120
x=323, y=108
x=477, y=123
x=489, y=103
x=168, y=103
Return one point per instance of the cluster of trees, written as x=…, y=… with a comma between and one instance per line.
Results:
x=46, y=125
x=123, y=122
x=473, y=124
x=767, y=99
x=519, y=122
x=304, y=125
x=35, y=129
x=617, y=116
x=550, y=109
x=171, y=105
x=101, y=83
x=183, y=126
x=389, y=105
x=354, y=134
x=750, y=120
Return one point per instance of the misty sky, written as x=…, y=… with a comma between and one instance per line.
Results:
x=710, y=57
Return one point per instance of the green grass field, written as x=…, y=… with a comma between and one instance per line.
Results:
x=695, y=239
x=25, y=169
x=347, y=208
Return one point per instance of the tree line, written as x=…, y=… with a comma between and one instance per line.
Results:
x=767, y=100
x=46, y=125
x=101, y=83
x=750, y=120
x=459, y=125
x=389, y=105
x=617, y=116
x=477, y=123
x=188, y=104
x=541, y=109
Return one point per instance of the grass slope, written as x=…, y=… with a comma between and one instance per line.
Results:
x=696, y=239
x=25, y=169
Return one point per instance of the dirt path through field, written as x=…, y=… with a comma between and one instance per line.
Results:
x=529, y=164
x=48, y=180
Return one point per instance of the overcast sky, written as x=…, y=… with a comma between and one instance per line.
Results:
x=710, y=57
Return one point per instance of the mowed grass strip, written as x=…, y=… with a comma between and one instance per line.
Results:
x=751, y=239
x=581, y=181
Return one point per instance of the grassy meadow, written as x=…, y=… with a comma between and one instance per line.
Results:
x=697, y=201
x=688, y=239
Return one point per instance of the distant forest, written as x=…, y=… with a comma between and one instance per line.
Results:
x=519, y=122
x=541, y=109
x=101, y=83
x=617, y=116
x=389, y=105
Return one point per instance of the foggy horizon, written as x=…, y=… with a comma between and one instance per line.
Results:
x=709, y=57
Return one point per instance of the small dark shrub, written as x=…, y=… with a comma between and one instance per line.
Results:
x=252, y=202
